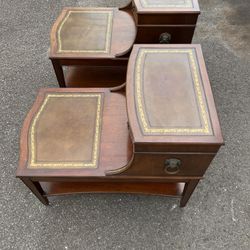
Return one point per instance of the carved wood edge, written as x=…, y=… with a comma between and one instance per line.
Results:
x=23, y=155
x=127, y=52
x=118, y=88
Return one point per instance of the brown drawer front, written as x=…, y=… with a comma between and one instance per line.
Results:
x=167, y=19
x=179, y=34
x=171, y=164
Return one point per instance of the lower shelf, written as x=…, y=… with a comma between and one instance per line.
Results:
x=153, y=188
x=95, y=76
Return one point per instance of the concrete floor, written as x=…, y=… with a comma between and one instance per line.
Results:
x=218, y=214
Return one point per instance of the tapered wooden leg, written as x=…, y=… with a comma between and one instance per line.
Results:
x=36, y=189
x=187, y=192
x=59, y=72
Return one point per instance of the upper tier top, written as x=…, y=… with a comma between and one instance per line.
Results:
x=164, y=6
x=169, y=97
x=92, y=32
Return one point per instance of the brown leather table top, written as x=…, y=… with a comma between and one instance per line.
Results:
x=75, y=132
x=92, y=32
x=65, y=133
x=169, y=95
x=86, y=31
x=167, y=5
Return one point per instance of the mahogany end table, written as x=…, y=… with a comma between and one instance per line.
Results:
x=90, y=37
x=158, y=137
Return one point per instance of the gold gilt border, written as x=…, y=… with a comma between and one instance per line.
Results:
x=139, y=95
x=59, y=165
x=108, y=32
x=188, y=4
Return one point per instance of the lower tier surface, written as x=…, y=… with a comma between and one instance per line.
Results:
x=95, y=76
x=153, y=188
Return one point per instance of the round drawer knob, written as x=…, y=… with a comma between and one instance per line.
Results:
x=165, y=38
x=172, y=166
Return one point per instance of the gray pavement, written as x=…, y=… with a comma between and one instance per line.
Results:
x=218, y=214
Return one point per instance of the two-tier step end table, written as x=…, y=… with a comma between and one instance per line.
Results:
x=95, y=43
x=157, y=137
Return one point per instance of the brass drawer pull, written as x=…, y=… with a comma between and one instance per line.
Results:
x=165, y=38
x=172, y=166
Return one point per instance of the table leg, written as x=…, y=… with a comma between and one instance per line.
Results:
x=187, y=192
x=36, y=189
x=59, y=72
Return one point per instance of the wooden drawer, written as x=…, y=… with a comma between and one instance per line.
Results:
x=151, y=34
x=163, y=19
x=189, y=164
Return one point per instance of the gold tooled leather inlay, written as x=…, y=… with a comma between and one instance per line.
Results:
x=95, y=143
x=108, y=31
x=167, y=3
x=139, y=98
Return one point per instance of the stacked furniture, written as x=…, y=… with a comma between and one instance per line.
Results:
x=155, y=134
